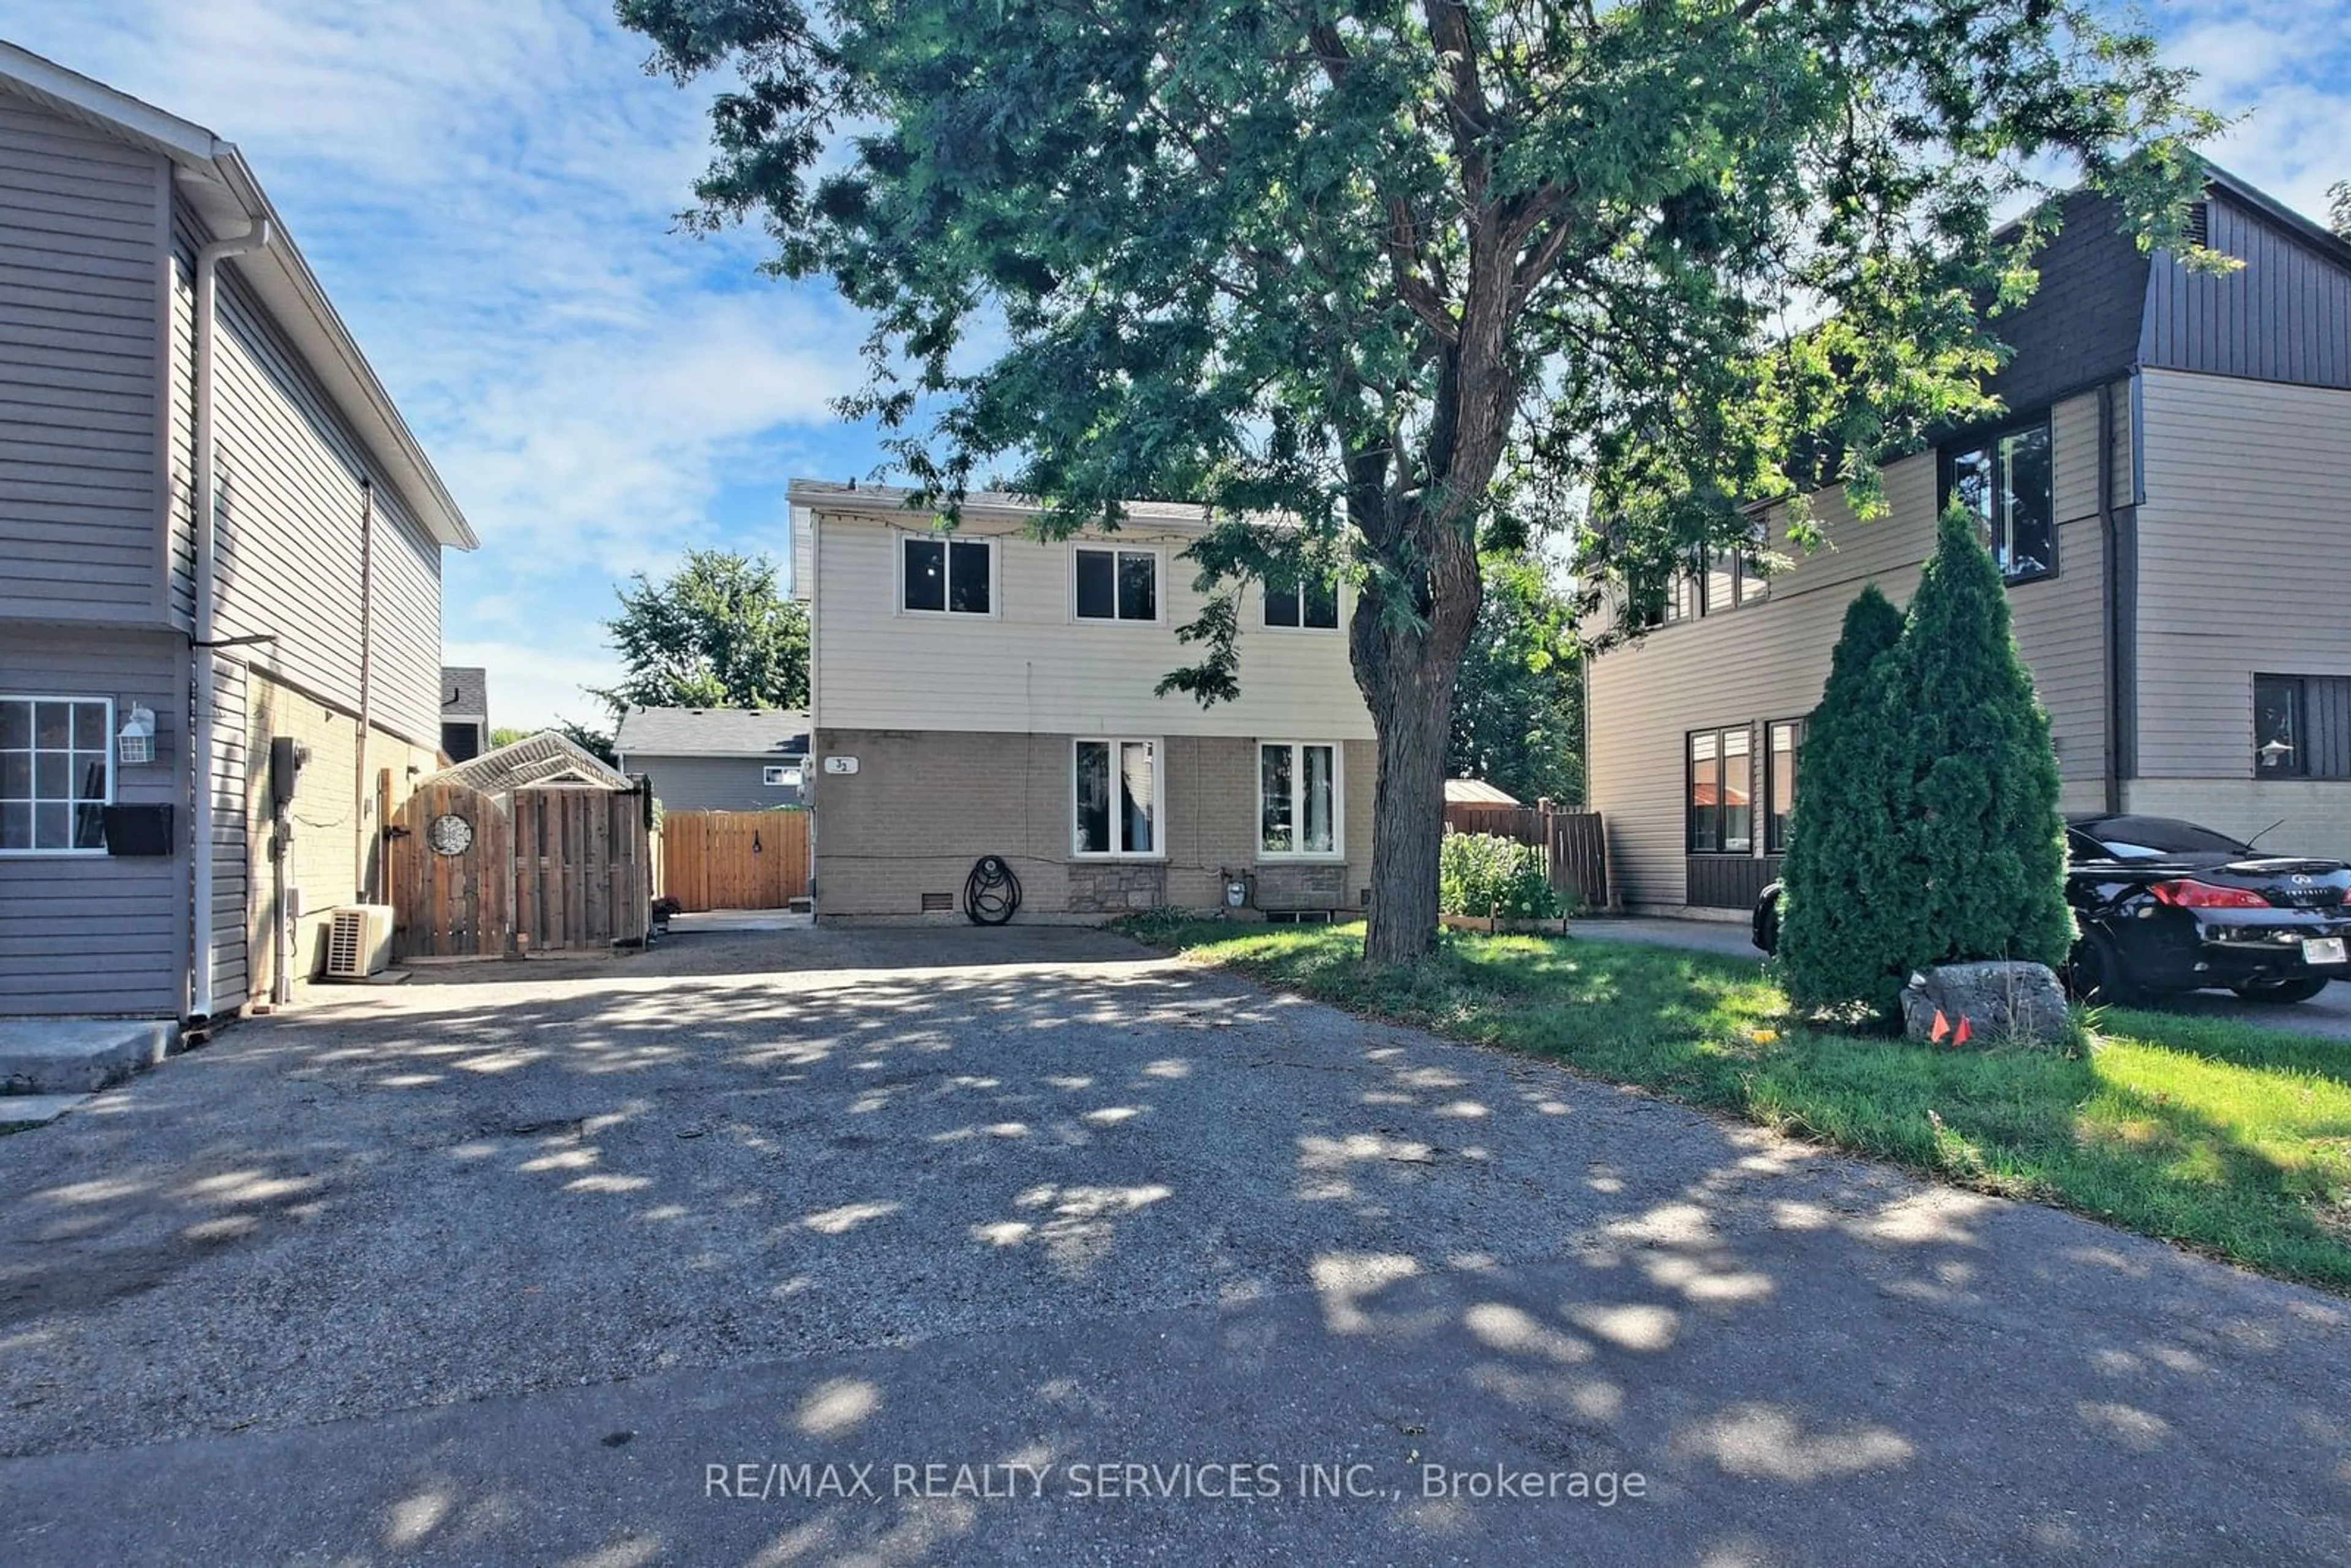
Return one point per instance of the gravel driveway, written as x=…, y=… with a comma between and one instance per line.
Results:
x=580, y=1263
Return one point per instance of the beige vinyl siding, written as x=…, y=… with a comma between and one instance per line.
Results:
x=2244, y=546
x=100, y=934
x=1032, y=666
x=78, y=245
x=1767, y=661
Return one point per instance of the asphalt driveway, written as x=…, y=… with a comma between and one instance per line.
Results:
x=1082, y=1255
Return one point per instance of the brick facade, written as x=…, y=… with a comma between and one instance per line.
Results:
x=924, y=805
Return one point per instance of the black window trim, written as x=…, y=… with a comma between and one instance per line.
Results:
x=1773, y=837
x=1990, y=436
x=1689, y=791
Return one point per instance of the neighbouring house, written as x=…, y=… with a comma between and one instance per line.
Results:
x=464, y=712
x=981, y=692
x=2165, y=497
x=716, y=759
x=220, y=584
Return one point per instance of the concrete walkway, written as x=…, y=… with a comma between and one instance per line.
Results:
x=583, y=1264
x=1727, y=937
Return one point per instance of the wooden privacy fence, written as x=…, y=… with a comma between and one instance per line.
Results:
x=583, y=869
x=735, y=859
x=556, y=869
x=1575, y=848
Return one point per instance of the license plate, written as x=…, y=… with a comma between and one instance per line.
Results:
x=2323, y=950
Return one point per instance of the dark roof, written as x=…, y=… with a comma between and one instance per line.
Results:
x=712, y=732
x=464, y=691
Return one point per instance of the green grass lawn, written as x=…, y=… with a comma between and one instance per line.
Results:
x=2232, y=1139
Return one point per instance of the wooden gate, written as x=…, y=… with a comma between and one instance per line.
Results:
x=451, y=860
x=735, y=859
x=582, y=869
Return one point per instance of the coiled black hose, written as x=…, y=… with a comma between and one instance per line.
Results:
x=992, y=893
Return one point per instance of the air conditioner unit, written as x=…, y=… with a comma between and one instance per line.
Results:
x=359, y=940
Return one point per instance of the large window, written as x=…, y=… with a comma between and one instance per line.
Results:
x=2302, y=726
x=57, y=774
x=1722, y=791
x=1117, y=584
x=2004, y=481
x=1311, y=604
x=1117, y=795
x=1784, y=743
x=942, y=576
x=1297, y=798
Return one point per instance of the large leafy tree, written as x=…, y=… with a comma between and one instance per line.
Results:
x=1396, y=273
x=1518, y=709
x=714, y=633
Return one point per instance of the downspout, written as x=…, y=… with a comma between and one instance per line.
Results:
x=362, y=876
x=201, y=847
x=2110, y=547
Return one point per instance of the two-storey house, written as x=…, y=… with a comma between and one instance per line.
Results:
x=2164, y=495
x=981, y=692
x=216, y=534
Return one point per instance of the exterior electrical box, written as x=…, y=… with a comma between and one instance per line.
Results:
x=286, y=757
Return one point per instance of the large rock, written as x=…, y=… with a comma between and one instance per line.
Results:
x=2000, y=1000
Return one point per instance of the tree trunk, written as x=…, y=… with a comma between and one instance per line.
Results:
x=1408, y=816
x=1407, y=667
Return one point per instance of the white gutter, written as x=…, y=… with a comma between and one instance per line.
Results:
x=200, y=758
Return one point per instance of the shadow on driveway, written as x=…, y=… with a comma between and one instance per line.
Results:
x=500, y=1270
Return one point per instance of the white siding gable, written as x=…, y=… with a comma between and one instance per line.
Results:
x=1029, y=665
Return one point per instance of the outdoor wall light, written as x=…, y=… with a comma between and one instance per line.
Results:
x=136, y=740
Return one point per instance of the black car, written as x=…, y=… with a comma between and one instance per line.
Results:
x=2166, y=906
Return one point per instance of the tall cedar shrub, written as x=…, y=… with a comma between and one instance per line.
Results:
x=1844, y=854
x=1974, y=765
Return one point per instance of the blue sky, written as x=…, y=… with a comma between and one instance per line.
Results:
x=485, y=187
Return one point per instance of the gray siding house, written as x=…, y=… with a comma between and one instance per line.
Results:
x=464, y=712
x=717, y=759
x=215, y=532
x=2166, y=494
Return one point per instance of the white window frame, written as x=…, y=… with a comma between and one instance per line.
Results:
x=899, y=538
x=1338, y=849
x=779, y=776
x=1158, y=851
x=35, y=697
x=1116, y=548
x=1337, y=596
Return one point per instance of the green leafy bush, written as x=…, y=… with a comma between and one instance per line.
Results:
x=1487, y=874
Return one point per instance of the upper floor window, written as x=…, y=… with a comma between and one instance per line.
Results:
x=1725, y=579
x=2302, y=726
x=2003, y=481
x=57, y=773
x=1117, y=584
x=1720, y=792
x=942, y=575
x=1311, y=603
x=1117, y=795
x=1297, y=798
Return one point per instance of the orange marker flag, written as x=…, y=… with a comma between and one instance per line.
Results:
x=1942, y=1027
x=1965, y=1034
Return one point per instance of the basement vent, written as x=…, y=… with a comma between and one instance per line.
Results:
x=938, y=903
x=1298, y=917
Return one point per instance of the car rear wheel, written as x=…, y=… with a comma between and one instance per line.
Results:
x=2094, y=973
x=2280, y=991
